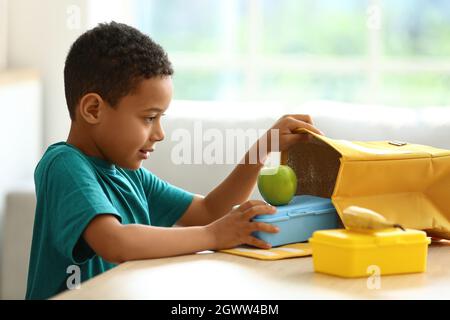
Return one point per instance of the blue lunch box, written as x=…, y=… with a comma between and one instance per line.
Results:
x=298, y=220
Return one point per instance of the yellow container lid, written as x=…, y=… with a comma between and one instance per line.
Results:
x=385, y=237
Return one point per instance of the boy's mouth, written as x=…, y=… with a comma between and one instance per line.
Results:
x=145, y=153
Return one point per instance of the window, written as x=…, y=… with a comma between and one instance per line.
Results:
x=387, y=52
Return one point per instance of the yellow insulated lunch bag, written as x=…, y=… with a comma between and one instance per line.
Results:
x=408, y=184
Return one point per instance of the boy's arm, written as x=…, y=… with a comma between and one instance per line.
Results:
x=239, y=184
x=117, y=243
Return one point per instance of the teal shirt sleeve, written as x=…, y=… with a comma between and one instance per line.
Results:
x=74, y=197
x=167, y=203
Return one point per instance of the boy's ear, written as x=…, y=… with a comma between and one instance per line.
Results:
x=91, y=105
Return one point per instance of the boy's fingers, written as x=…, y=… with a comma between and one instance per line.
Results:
x=296, y=124
x=291, y=139
x=304, y=137
x=257, y=243
x=265, y=227
x=248, y=204
x=302, y=117
x=257, y=210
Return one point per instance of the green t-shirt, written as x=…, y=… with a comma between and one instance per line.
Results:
x=71, y=189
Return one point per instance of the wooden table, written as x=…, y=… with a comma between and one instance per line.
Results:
x=212, y=275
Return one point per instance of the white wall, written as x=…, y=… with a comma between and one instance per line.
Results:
x=3, y=32
x=39, y=36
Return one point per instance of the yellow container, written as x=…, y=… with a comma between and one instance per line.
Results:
x=352, y=254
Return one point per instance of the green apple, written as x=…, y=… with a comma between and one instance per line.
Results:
x=277, y=185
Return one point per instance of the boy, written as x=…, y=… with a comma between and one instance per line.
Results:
x=96, y=205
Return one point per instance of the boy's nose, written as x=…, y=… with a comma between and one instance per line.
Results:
x=157, y=135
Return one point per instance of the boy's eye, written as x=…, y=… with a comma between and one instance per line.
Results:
x=150, y=119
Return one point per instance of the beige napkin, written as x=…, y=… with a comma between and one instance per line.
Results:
x=287, y=251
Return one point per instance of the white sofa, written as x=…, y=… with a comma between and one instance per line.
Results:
x=429, y=126
x=17, y=234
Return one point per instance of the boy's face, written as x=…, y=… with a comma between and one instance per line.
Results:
x=135, y=123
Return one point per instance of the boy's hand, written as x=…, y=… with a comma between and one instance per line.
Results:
x=235, y=228
x=285, y=126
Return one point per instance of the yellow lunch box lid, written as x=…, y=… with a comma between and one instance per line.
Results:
x=385, y=237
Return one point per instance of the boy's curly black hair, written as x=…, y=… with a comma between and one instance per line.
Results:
x=110, y=60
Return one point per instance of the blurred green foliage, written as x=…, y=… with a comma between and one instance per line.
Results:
x=415, y=31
